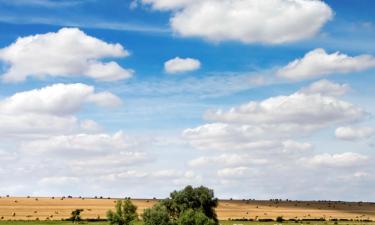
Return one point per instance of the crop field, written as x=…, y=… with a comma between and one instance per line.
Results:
x=41, y=209
x=221, y=223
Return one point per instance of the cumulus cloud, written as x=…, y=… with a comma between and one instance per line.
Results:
x=318, y=62
x=51, y=109
x=326, y=87
x=347, y=159
x=180, y=65
x=298, y=108
x=275, y=21
x=117, y=161
x=354, y=133
x=80, y=144
x=291, y=146
x=237, y=172
x=68, y=52
x=261, y=141
x=274, y=124
x=58, y=181
x=56, y=99
x=227, y=160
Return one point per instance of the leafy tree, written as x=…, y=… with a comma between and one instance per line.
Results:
x=76, y=215
x=157, y=215
x=191, y=217
x=125, y=214
x=197, y=199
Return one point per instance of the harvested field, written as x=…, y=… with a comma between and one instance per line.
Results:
x=58, y=208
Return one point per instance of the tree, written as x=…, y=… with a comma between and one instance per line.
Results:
x=125, y=214
x=157, y=215
x=191, y=217
x=197, y=199
x=76, y=215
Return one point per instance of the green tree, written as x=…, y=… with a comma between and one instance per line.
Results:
x=125, y=213
x=157, y=215
x=198, y=199
x=197, y=217
x=76, y=215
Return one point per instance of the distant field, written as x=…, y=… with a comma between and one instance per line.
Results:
x=60, y=208
x=221, y=222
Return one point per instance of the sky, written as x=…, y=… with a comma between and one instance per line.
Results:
x=252, y=98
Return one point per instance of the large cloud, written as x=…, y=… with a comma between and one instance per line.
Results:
x=270, y=144
x=313, y=110
x=68, y=52
x=272, y=21
x=318, y=62
x=51, y=109
x=272, y=125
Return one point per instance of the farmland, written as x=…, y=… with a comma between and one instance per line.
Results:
x=58, y=208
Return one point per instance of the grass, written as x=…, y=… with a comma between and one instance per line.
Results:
x=221, y=222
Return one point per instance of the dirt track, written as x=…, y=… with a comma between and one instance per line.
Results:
x=58, y=208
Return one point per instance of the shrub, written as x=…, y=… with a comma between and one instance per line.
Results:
x=125, y=213
x=191, y=217
x=76, y=215
x=279, y=219
x=157, y=215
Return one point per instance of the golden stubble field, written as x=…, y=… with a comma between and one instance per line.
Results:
x=12, y=208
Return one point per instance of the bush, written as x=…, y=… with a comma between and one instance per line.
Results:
x=279, y=219
x=125, y=213
x=76, y=215
x=191, y=217
x=157, y=215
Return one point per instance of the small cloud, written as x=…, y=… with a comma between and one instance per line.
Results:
x=181, y=65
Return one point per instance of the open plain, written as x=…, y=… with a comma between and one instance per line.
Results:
x=58, y=208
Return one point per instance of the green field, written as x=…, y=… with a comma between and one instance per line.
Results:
x=221, y=222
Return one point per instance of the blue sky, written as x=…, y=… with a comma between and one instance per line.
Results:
x=256, y=99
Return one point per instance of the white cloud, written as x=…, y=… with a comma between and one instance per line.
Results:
x=180, y=65
x=269, y=142
x=347, y=159
x=354, y=133
x=291, y=146
x=118, y=160
x=80, y=144
x=318, y=62
x=7, y=155
x=237, y=172
x=227, y=160
x=326, y=87
x=50, y=109
x=272, y=125
x=68, y=52
x=315, y=110
x=58, y=181
x=57, y=99
x=274, y=21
